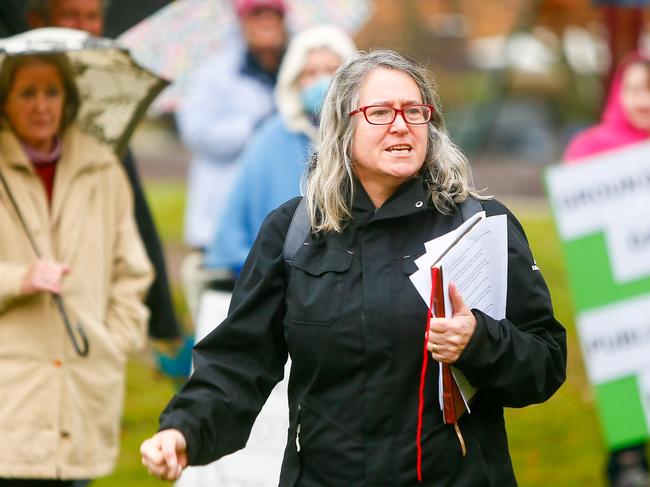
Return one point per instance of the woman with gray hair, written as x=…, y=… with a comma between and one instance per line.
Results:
x=386, y=179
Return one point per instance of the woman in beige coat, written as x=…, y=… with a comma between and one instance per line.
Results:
x=59, y=410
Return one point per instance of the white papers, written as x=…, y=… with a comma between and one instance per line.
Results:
x=475, y=258
x=436, y=247
x=478, y=264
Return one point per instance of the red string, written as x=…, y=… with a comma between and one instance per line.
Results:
x=423, y=374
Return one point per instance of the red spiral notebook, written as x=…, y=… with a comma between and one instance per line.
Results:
x=452, y=399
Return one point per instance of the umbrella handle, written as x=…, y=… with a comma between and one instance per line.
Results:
x=81, y=348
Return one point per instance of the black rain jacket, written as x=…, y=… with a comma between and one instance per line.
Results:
x=163, y=324
x=354, y=327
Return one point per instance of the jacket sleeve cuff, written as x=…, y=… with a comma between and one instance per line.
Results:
x=11, y=278
x=471, y=356
x=176, y=423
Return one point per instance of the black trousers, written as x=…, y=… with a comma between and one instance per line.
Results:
x=35, y=483
x=628, y=463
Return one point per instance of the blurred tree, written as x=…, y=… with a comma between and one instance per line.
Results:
x=624, y=25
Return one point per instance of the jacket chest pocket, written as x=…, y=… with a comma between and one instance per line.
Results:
x=316, y=286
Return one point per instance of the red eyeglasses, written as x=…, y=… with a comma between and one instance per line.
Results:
x=385, y=115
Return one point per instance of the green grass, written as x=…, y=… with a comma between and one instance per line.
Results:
x=557, y=443
x=553, y=444
x=167, y=202
x=146, y=395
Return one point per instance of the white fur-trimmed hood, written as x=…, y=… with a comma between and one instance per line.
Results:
x=287, y=93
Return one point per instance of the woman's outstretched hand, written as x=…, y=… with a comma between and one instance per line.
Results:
x=165, y=454
x=448, y=337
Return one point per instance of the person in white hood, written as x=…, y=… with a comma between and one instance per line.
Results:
x=274, y=161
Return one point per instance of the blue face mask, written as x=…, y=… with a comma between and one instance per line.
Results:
x=313, y=95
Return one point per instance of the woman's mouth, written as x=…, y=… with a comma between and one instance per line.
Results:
x=399, y=149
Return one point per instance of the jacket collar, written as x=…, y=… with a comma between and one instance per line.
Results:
x=413, y=196
x=81, y=153
x=13, y=154
x=75, y=157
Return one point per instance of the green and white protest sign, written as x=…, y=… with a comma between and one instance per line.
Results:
x=602, y=213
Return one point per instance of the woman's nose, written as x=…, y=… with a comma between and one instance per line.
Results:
x=41, y=101
x=399, y=124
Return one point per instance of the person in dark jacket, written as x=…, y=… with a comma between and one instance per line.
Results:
x=12, y=20
x=386, y=179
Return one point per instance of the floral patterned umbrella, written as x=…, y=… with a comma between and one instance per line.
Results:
x=176, y=38
x=115, y=91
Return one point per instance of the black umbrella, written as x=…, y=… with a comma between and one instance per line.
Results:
x=124, y=14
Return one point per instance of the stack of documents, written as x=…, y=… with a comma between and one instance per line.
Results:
x=475, y=257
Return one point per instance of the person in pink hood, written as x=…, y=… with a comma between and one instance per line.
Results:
x=625, y=121
x=626, y=117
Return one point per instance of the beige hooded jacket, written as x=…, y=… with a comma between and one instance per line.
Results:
x=60, y=413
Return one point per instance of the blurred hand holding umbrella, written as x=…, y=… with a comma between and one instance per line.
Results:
x=115, y=93
x=174, y=40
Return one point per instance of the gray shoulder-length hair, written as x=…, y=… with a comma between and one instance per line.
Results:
x=330, y=180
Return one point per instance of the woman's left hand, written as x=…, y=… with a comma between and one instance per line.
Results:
x=448, y=337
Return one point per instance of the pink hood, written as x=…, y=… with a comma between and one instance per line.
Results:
x=614, y=130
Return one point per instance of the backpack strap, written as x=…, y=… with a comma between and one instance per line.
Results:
x=470, y=207
x=299, y=226
x=297, y=233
